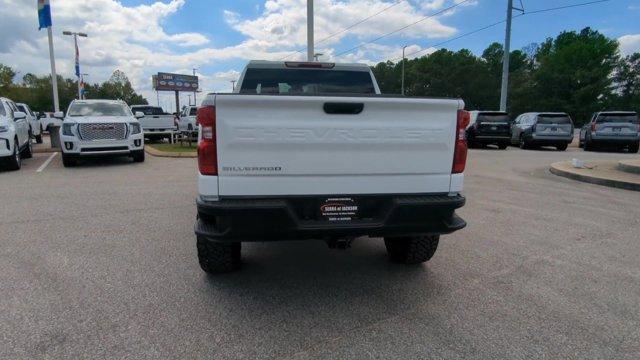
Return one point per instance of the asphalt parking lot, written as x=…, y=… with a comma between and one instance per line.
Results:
x=99, y=261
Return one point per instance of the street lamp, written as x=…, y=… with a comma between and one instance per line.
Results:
x=75, y=41
x=233, y=85
x=404, y=47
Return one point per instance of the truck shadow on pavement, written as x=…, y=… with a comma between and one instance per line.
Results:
x=306, y=287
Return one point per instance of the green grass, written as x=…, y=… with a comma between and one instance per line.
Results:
x=174, y=147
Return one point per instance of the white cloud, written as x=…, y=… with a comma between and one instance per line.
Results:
x=629, y=44
x=283, y=22
x=133, y=38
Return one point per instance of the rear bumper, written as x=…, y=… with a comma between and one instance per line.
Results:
x=604, y=139
x=492, y=138
x=551, y=139
x=272, y=219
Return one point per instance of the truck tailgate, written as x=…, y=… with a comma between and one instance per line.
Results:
x=290, y=145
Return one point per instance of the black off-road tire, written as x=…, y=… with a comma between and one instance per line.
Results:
x=562, y=147
x=27, y=152
x=14, y=162
x=503, y=146
x=138, y=156
x=216, y=258
x=634, y=148
x=523, y=143
x=69, y=161
x=412, y=250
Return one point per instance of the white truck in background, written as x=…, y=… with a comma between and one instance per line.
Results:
x=187, y=120
x=309, y=150
x=156, y=123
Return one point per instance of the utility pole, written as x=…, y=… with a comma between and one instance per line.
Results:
x=233, y=85
x=54, y=76
x=189, y=95
x=310, y=30
x=504, y=91
x=402, y=91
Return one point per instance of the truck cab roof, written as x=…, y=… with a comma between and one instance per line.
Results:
x=265, y=64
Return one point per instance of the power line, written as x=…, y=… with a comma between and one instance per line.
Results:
x=403, y=28
x=503, y=21
x=347, y=28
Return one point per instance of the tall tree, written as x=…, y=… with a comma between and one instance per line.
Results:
x=574, y=73
x=627, y=83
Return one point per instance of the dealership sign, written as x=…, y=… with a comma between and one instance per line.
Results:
x=175, y=82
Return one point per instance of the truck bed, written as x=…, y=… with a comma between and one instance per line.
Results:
x=293, y=145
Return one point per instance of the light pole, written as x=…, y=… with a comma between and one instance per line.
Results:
x=402, y=90
x=233, y=85
x=82, y=76
x=189, y=95
x=75, y=41
x=504, y=89
x=309, y=30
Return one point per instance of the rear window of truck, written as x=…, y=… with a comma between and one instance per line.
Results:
x=554, y=119
x=306, y=82
x=617, y=118
x=497, y=118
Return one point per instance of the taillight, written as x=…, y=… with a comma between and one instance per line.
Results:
x=207, y=149
x=460, y=149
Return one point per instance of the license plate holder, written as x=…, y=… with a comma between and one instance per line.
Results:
x=339, y=209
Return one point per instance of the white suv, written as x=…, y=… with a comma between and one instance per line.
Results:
x=15, y=143
x=35, y=129
x=100, y=128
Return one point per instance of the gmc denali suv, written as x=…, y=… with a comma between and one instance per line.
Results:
x=100, y=128
x=310, y=150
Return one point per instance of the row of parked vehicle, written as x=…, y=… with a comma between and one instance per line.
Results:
x=90, y=128
x=610, y=129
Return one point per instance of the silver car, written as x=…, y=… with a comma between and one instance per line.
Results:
x=616, y=129
x=542, y=129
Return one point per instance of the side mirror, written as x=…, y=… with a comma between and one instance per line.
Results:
x=139, y=114
x=58, y=115
x=19, y=115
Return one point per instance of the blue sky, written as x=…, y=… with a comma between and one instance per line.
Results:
x=143, y=37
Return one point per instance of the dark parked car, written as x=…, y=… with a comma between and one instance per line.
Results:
x=617, y=129
x=489, y=128
x=542, y=129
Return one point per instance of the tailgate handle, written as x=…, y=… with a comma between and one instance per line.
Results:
x=341, y=108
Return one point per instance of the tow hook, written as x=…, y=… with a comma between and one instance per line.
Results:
x=340, y=244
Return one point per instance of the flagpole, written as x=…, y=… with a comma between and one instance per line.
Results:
x=54, y=76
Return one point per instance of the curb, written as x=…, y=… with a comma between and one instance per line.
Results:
x=158, y=153
x=619, y=184
x=632, y=167
x=46, y=150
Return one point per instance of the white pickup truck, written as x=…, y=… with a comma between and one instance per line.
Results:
x=314, y=151
x=156, y=123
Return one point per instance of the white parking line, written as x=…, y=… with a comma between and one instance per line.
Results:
x=43, y=166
